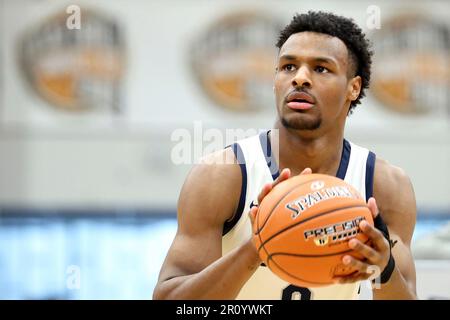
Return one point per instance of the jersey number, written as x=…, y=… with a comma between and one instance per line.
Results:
x=296, y=293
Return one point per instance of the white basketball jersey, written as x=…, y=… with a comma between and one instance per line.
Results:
x=259, y=167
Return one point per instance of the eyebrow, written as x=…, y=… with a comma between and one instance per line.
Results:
x=316, y=59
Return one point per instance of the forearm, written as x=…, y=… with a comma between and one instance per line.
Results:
x=396, y=288
x=223, y=279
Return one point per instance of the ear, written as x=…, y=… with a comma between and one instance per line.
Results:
x=354, y=88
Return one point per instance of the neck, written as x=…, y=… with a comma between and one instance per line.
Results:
x=321, y=153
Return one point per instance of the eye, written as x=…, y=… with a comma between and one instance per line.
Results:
x=321, y=69
x=288, y=67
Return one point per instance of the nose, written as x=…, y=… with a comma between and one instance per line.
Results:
x=302, y=78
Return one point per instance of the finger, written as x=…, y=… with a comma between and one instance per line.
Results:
x=368, y=252
x=355, y=264
x=374, y=235
x=372, y=204
x=284, y=175
x=265, y=190
x=306, y=171
x=252, y=214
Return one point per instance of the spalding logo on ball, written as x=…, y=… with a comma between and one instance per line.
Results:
x=303, y=227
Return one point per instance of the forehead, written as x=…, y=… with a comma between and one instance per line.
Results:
x=312, y=44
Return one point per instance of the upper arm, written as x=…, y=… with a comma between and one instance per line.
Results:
x=397, y=205
x=208, y=198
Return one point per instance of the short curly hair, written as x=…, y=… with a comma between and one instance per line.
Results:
x=343, y=28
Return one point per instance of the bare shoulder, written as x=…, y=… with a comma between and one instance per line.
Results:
x=395, y=197
x=389, y=179
x=212, y=188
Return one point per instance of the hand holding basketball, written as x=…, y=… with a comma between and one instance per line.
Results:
x=303, y=227
x=284, y=175
x=376, y=255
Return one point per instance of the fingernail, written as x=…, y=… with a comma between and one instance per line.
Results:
x=352, y=243
x=346, y=260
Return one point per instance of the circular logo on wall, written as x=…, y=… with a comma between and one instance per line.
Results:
x=233, y=61
x=75, y=69
x=411, y=70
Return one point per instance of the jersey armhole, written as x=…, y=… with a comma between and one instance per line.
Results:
x=370, y=171
x=229, y=224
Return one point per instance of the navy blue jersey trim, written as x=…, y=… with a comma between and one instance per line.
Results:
x=228, y=225
x=345, y=158
x=267, y=151
x=370, y=170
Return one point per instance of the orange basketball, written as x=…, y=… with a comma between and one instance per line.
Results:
x=303, y=227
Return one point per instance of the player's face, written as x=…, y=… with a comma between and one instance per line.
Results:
x=312, y=86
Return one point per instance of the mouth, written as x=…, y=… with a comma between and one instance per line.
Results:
x=300, y=101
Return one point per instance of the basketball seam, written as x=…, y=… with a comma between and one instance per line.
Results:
x=258, y=231
x=306, y=220
x=291, y=275
x=269, y=259
x=313, y=256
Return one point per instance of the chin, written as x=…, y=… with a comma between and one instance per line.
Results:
x=299, y=123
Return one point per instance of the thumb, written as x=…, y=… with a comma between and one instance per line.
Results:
x=372, y=204
x=306, y=171
x=252, y=214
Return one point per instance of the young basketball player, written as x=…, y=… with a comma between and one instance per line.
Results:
x=322, y=71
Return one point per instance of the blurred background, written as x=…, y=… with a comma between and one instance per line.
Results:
x=95, y=97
